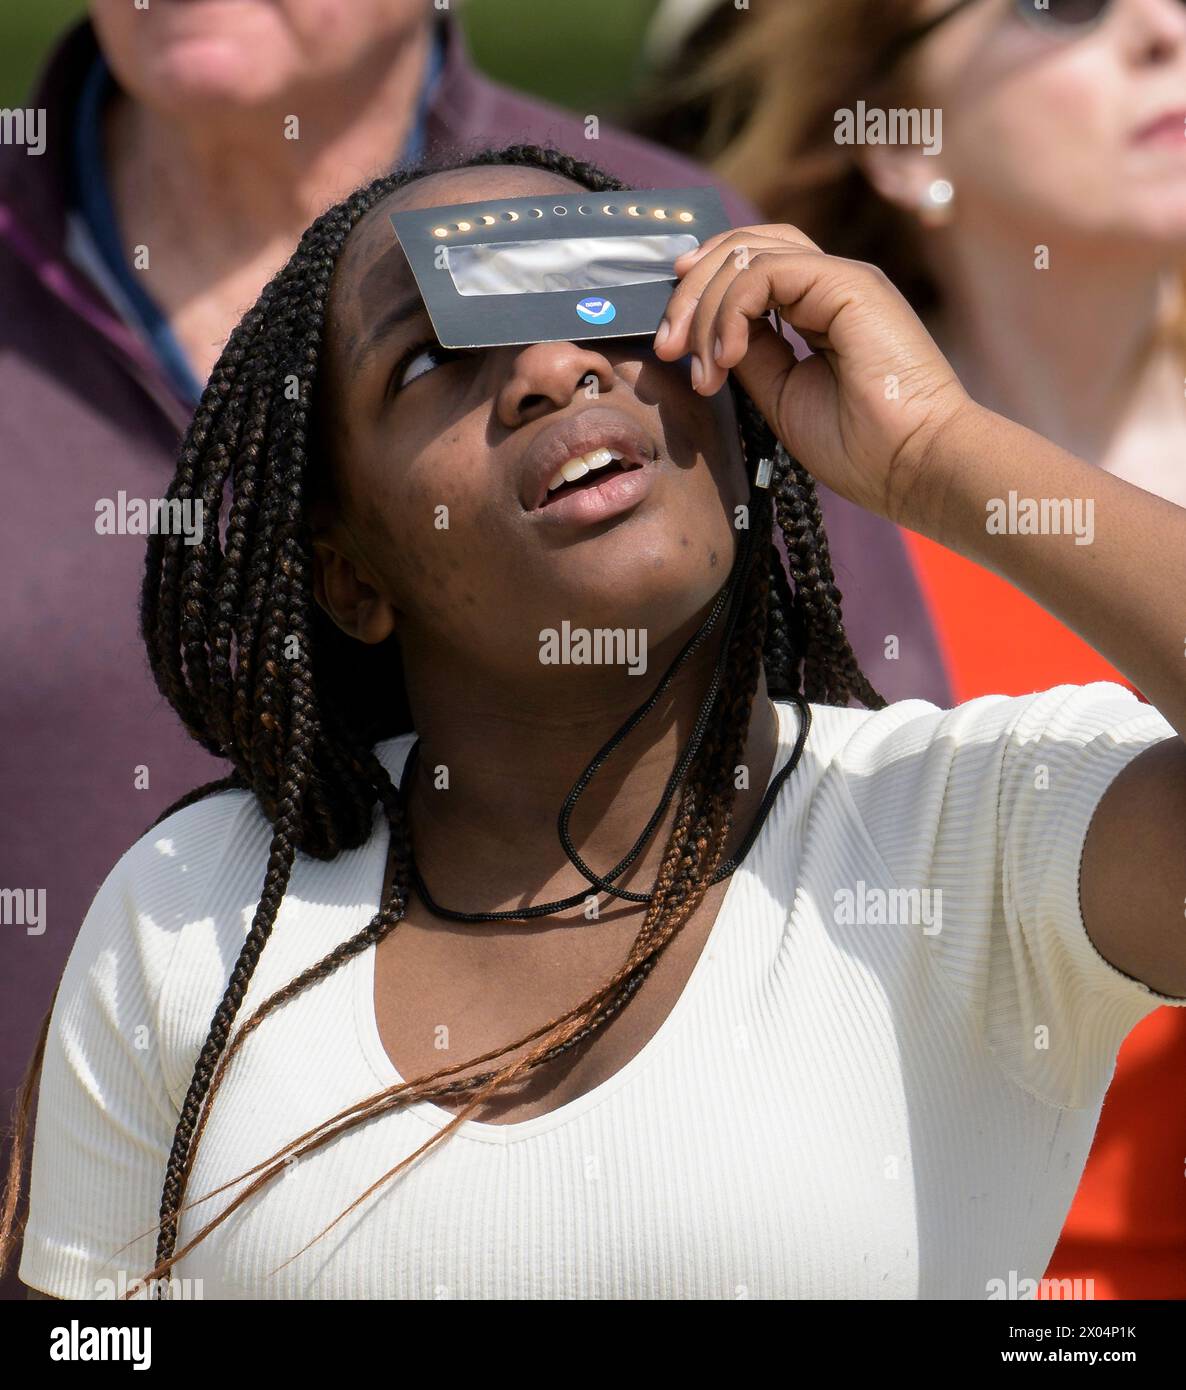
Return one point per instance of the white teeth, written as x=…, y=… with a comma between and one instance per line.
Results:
x=575, y=468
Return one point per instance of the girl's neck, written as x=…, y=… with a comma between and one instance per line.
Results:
x=1065, y=350
x=493, y=773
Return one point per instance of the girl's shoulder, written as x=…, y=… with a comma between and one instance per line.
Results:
x=174, y=899
x=985, y=809
x=171, y=875
x=169, y=922
x=869, y=741
x=922, y=781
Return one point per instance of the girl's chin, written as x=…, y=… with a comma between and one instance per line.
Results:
x=663, y=603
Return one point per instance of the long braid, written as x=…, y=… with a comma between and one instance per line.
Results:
x=261, y=676
x=805, y=626
x=832, y=674
x=277, y=765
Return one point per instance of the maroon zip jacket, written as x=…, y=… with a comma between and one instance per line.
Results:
x=85, y=412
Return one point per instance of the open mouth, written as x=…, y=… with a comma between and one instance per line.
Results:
x=587, y=472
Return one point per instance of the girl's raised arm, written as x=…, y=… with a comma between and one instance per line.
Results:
x=879, y=416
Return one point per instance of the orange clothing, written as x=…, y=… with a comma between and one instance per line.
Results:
x=1127, y=1225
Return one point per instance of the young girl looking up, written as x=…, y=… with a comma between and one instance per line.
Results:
x=710, y=981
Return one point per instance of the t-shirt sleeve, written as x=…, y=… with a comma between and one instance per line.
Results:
x=110, y=1093
x=988, y=805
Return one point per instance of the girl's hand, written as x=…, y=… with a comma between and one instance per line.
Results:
x=863, y=413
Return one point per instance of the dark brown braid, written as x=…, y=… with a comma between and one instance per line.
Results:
x=261, y=676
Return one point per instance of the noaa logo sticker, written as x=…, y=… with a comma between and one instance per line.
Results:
x=596, y=310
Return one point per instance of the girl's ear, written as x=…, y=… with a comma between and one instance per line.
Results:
x=348, y=592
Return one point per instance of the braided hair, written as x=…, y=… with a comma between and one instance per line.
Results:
x=261, y=676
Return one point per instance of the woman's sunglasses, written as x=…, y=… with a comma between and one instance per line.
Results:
x=1066, y=17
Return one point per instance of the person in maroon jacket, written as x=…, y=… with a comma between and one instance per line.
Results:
x=185, y=148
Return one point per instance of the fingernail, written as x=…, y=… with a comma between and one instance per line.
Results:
x=716, y=349
x=697, y=372
x=662, y=335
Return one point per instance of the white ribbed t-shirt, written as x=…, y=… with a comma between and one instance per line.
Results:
x=838, y=1106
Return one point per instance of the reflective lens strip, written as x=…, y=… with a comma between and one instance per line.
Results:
x=575, y=263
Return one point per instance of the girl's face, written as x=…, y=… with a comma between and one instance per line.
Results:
x=441, y=526
x=1069, y=131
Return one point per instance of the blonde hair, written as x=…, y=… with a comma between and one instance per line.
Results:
x=755, y=93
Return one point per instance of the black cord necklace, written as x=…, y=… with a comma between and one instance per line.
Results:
x=728, y=599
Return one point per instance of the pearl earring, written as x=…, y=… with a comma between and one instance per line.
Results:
x=935, y=208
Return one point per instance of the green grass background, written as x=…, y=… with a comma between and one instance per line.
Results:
x=582, y=55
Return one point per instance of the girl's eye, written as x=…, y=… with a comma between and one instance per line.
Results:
x=419, y=360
